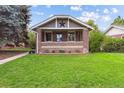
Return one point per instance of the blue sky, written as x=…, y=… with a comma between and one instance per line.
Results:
x=103, y=15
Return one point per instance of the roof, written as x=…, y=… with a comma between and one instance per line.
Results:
x=61, y=16
x=114, y=26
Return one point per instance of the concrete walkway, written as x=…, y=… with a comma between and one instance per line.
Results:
x=12, y=58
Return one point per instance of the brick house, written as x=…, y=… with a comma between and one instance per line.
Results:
x=62, y=34
x=115, y=31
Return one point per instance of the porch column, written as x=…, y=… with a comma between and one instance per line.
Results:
x=85, y=41
x=38, y=41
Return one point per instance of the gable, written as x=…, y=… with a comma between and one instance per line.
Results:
x=62, y=22
x=115, y=31
x=66, y=22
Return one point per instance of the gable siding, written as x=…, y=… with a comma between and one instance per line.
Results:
x=49, y=24
x=53, y=23
x=74, y=24
x=114, y=31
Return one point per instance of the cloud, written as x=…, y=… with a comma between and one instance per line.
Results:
x=97, y=10
x=48, y=6
x=106, y=18
x=106, y=11
x=76, y=8
x=39, y=13
x=85, y=16
x=114, y=10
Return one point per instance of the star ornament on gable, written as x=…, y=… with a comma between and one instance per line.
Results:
x=62, y=24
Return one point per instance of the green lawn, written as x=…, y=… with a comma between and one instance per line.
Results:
x=92, y=70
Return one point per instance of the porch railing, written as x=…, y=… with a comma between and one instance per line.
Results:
x=64, y=44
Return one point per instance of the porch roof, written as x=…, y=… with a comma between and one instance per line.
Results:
x=72, y=28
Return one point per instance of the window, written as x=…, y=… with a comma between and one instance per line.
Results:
x=59, y=37
x=71, y=36
x=48, y=36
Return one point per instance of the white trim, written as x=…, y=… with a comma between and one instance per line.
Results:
x=61, y=16
x=68, y=23
x=56, y=23
x=49, y=28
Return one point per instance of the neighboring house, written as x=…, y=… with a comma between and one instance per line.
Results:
x=115, y=31
x=62, y=34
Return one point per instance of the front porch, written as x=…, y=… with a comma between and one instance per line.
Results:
x=62, y=41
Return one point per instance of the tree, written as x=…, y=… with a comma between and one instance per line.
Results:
x=118, y=21
x=95, y=41
x=25, y=15
x=91, y=23
x=13, y=24
x=9, y=23
x=95, y=37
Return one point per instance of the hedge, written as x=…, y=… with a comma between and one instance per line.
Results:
x=112, y=45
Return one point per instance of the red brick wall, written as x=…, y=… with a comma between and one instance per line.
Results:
x=86, y=41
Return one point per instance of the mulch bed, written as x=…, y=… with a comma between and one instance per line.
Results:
x=7, y=54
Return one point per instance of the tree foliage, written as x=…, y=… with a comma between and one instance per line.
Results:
x=118, y=21
x=25, y=16
x=95, y=41
x=91, y=23
x=13, y=23
x=112, y=45
x=32, y=39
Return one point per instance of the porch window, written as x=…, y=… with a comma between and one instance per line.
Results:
x=59, y=37
x=48, y=36
x=71, y=36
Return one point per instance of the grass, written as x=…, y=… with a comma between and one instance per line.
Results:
x=92, y=70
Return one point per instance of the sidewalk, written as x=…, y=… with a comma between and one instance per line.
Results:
x=12, y=58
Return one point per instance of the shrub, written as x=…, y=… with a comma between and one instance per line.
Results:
x=95, y=41
x=112, y=45
x=77, y=51
x=61, y=51
x=53, y=51
x=69, y=51
x=32, y=39
x=46, y=51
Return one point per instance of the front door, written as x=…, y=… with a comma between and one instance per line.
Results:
x=59, y=37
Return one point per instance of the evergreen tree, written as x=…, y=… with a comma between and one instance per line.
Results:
x=118, y=21
x=13, y=24
x=25, y=15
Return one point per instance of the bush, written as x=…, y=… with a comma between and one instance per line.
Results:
x=112, y=45
x=61, y=51
x=95, y=41
x=32, y=39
